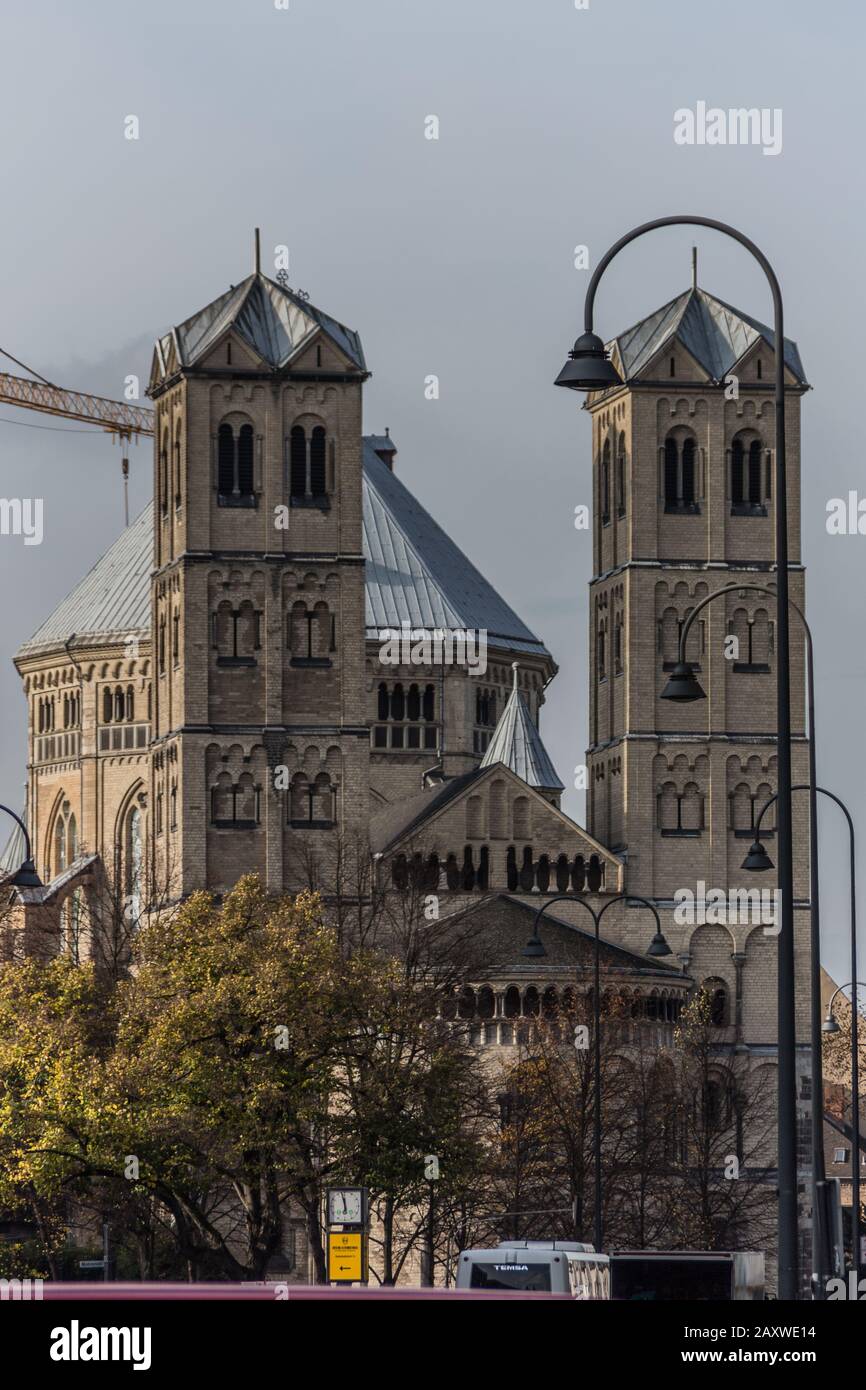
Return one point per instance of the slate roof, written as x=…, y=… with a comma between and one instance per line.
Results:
x=502, y=924
x=400, y=818
x=114, y=598
x=272, y=319
x=517, y=743
x=713, y=332
x=414, y=572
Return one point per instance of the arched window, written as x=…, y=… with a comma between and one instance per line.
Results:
x=245, y=461
x=235, y=805
x=311, y=802
x=130, y=704
x=177, y=491
x=382, y=701
x=163, y=474
x=133, y=859
x=298, y=462
x=672, y=490
x=318, y=486
x=107, y=706
x=717, y=996
x=688, y=471
x=563, y=875
x=748, y=491
x=225, y=460
x=429, y=703
x=755, y=488
x=602, y=669
x=398, y=702
x=680, y=474
x=605, y=483
x=468, y=871
x=620, y=477
x=119, y=706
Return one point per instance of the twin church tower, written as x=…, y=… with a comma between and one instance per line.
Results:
x=212, y=699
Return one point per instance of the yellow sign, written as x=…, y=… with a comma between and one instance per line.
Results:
x=346, y=1256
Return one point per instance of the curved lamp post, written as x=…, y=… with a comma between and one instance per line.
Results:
x=684, y=687
x=26, y=875
x=757, y=860
x=589, y=369
x=657, y=947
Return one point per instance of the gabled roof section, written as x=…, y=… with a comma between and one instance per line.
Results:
x=517, y=743
x=404, y=817
x=272, y=320
x=716, y=335
x=503, y=922
x=409, y=816
x=113, y=599
x=416, y=574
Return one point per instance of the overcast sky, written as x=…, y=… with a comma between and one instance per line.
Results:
x=453, y=257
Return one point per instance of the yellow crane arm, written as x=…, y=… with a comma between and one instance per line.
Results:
x=118, y=417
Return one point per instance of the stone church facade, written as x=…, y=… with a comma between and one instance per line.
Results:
x=212, y=700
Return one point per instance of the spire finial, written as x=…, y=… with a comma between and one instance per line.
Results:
x=694, y=267
x=515, y=666
x=258, y=253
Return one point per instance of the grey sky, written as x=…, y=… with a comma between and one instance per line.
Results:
x=452, y=257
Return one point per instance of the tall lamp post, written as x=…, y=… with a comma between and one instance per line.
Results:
x=589, y=369
x=657, y=947
x=25, y=876
x=758, y=860
x=684, y=686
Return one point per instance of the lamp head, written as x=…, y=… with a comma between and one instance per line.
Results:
x=588, y=367
x=658, y=946
x=26, y=876
x=757, y=860
x=683, y=685
x=534, y=947
x=830, y=1025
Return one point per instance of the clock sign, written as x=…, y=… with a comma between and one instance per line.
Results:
x=347, y=1206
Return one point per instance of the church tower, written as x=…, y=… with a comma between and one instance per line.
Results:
x=683, y=506
x=260, y=747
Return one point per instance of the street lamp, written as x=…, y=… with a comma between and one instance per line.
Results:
x=25, y=876
x=535, y=948
x=830, y=1025
x=755, y=858
x=588, y=369
x=681, y=687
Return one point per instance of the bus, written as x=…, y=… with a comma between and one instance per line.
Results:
x=686, y=1276
x=538, y=1266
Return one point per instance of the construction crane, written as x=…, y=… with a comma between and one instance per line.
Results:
x=122, y=419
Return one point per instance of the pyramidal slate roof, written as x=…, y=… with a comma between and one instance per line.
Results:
x=414, y=573
x=714, y=333
x=517, y=743
x=273, y=320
